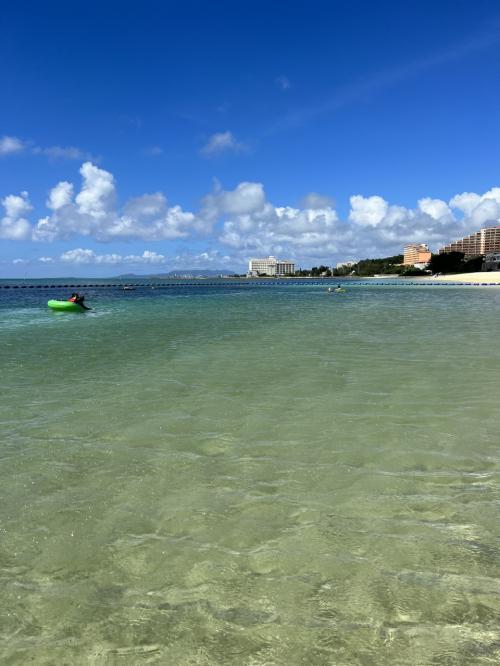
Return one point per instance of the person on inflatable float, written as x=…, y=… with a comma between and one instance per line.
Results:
x=76, y=298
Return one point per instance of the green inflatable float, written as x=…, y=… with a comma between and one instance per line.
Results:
x=65, y=306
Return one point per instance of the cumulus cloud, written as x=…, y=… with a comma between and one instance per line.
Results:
x=245, y=199
x=208, y=259
x=147, y=257
x=432, y=221
x=245, y=220
x=60, y=195
x=46, y=260
x=437, y=209
x=374, y=227
x=97, y=196
x=367, y=211
x=222, y=142
x=94, y=213
x=150, y=218
x=80, y=256
x=13, y=226
x=466, y=202
x=480, y=209
x=253, y=224
x=10, y=145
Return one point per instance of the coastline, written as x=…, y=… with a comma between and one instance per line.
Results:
x=479, y=278
x=490, y=278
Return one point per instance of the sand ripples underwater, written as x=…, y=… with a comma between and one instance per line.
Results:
x=238, y=476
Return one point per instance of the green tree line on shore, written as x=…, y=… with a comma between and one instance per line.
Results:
x=454, y=262
x=451, y=262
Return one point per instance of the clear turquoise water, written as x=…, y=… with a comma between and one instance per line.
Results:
x=240, y=475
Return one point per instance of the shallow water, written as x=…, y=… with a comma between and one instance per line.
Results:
x=245, y=475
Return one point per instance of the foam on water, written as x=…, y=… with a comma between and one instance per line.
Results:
x=252, y=476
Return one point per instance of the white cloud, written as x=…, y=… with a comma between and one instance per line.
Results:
x=465, y=202
x=145, y=207
x=150, y=218
x=435, y=208
x=222, y=142
x=80, y=256
x=285, y=230
x=10, y=145
x=94, y=213
x=86, y=257
x=97, y=196
x=208, y=259
x=253, y=225
x=13, y=226
x=387, y=227
x=60, y=195
x=315, y=200
x=367, y=211
x=90, y=214
x=147, y=257
x=482, y=210
x=246, y=221
x=246, y=198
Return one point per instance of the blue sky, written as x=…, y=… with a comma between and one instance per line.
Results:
x=166, y=135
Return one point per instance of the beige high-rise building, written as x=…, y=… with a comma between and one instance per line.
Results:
x=416, y=253
x=484, y=241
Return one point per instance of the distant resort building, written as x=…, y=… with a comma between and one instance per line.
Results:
x=271, y=267
x=492, y=261
x=345, y=264
x=416, y=254
x=485, y=241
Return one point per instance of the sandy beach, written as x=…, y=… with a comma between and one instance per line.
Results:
x=491, y=278
x=479, y=278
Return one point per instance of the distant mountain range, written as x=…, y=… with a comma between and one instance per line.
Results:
x=195, y=272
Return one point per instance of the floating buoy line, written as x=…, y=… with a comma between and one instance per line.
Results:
x=274, y=283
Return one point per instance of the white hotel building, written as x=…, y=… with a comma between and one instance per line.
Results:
x=270, y=266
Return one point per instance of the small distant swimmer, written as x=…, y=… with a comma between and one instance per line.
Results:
x=329, y=290
x=76, y=298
